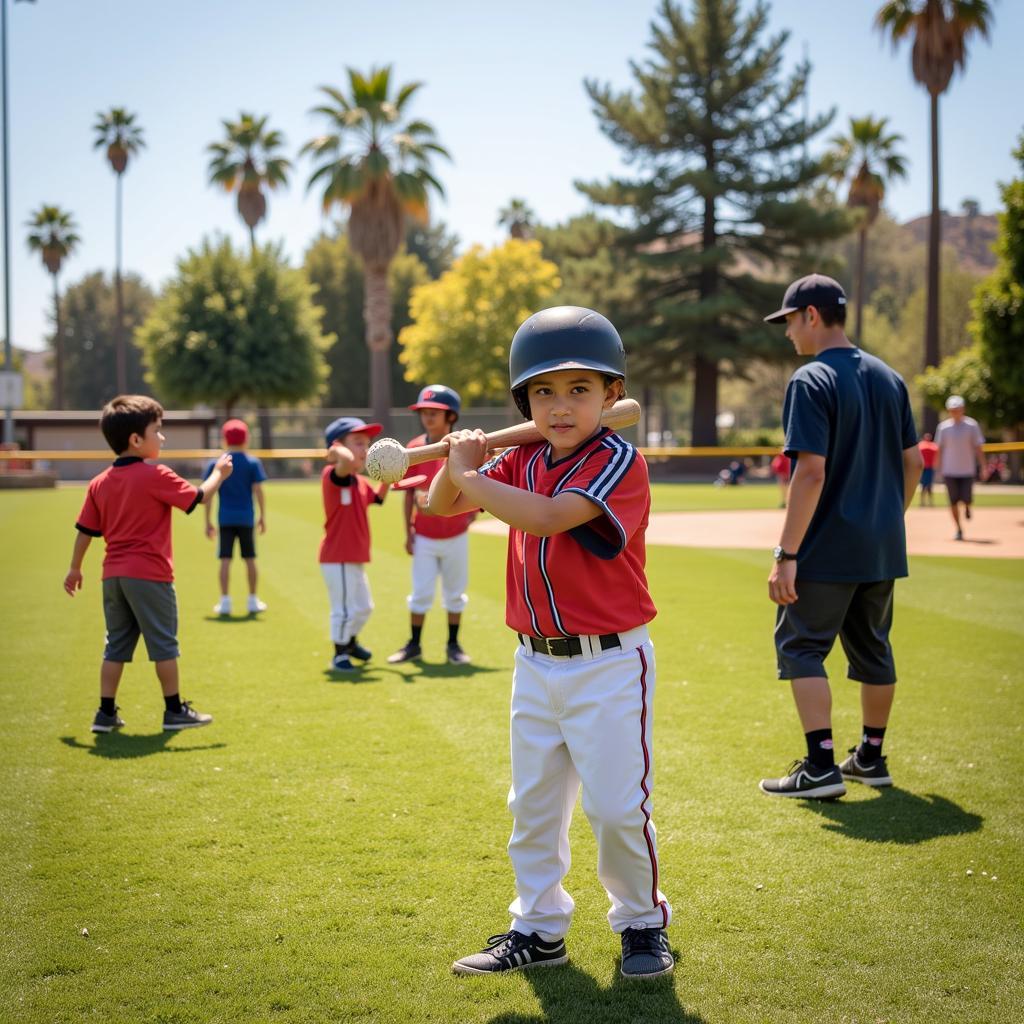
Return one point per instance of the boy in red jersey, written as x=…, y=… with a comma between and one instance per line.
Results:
x=129, y=505
x=577, y=504
x=345, y=548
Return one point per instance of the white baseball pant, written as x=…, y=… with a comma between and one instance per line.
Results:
x=584, y=720
x=447, y=557
x=349, y=593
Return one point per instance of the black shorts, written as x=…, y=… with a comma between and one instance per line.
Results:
x=246, y=544
x=959, y=488
x=860, y=614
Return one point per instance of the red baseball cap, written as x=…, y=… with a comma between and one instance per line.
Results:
x=235, y=432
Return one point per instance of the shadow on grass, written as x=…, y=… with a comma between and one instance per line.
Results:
x=232, y=619
x=116, y=745
x=896, y=816
x=377, y=673
x=569, y=996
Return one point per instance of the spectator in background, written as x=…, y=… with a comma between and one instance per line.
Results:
x=929, y=453
x=781, y=467
x=959, y=440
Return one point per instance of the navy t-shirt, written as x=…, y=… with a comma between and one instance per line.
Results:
x=854, y=410
x=235, y=495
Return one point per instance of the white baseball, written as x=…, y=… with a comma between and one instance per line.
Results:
x=386, y=461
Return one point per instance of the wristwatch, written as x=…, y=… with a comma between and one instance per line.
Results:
x=782, y=556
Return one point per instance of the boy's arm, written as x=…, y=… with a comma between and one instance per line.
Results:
x=211, y=530
x=341, y=458
x=912, y=466
x=805, y=488
x=261, y=523
x=73, y=580
x=211, y=485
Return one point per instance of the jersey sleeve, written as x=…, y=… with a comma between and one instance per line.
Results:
x=172, y=490
x=615, y=479
x=805, y=417
x=89, y=520
x=501, y=467
x=208, y=468
x=259, y=474
x=979, y=437
x=909, y=428
x=370, y=494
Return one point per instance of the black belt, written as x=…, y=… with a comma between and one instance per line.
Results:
x=566, y=646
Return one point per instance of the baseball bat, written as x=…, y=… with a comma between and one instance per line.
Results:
x=623, y=413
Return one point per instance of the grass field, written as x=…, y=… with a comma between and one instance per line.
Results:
x=329, y=845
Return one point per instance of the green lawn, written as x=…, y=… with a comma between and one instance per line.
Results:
x=329, y=845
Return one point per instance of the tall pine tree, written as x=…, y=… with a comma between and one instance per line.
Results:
x=720, y=207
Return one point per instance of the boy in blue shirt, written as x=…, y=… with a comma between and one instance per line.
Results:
x=235, y=514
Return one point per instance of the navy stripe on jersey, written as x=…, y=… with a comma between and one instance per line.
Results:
x=488, y=466
x=600, y=489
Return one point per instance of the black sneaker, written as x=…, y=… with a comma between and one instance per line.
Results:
x=410, y=652
x=645, y=953
x=512, y=952
x=356, y=650
x=805, y=780
x=871, y=773
x=341, y=663
x=186, y=718
x=456, y=655
x=107, y=723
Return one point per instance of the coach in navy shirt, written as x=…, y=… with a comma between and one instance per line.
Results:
x=856, y=464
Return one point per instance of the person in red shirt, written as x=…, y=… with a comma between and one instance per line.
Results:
x=782, y=468
x=345, y=548
x=929, y=454
x=439, y=545
x=577, y=503
x=129, y=505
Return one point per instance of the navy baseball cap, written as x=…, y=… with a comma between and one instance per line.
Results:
x=813, y=290
x=437, y=396
x=350, y=425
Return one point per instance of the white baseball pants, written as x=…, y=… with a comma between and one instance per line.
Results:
x=584, y=720
x=447, y=557
x=351, y=604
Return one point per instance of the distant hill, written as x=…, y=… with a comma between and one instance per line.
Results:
x=971, y=237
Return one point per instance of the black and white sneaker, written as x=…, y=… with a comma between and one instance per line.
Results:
x=186, y=718
x=107, y=723
x=357, y=650
x=807, y=781
x=341, y=663
x=456, y=655
x=871, y=773
x=512, y=952
x=410, y=652
x=645, y=953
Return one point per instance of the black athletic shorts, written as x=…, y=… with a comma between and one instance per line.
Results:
x=959, y=488
x=246, y=544
x=860, y=614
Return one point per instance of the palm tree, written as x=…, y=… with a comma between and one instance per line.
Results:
x=940, y=29
x=246, y=162
x=53, y=234
x=376, y=163
x=117, y=132
x=868, y=158
x=518, y=218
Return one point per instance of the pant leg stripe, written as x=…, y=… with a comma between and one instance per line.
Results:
x=647, y=793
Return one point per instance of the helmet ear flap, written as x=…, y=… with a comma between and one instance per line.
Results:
x=522, y=401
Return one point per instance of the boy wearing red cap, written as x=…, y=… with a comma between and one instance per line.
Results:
x=439, y=545
x=235, y=514
x=345, y=549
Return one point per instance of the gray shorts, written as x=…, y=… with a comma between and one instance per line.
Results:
x=132, y=607
x=959, y=488
x=860, y=614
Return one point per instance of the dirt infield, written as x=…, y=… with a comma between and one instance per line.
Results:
x=992, y=533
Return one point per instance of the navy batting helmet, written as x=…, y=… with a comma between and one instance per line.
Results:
x=437, y=396
x=563, y=338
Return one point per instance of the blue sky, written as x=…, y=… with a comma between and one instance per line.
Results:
x=504, y=88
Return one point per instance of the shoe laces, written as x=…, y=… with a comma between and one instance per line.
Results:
x=644, y=940
x=513, y=939
x=186, y=708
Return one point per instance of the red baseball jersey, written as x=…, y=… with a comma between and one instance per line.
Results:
x=129, y=505
x=929, y=453
x=589, y=580
x=346, y=527
x=437, y=527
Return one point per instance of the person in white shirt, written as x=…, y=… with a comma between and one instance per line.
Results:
x=959, y=439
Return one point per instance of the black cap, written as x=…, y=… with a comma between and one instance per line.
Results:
x=813, y=290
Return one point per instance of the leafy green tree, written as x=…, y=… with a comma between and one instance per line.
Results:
x=517, y=216
x=89, y=328
x=463, y=322
x=337, y=278
x=432, y=245
x=54, y=234
x=719, y=201
x=867, y=159
x=998, y=304
x=940, y=30
x=375, y=162
x=246, y=162
x=227, y=328
x=967, y=373
x=117, y=133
